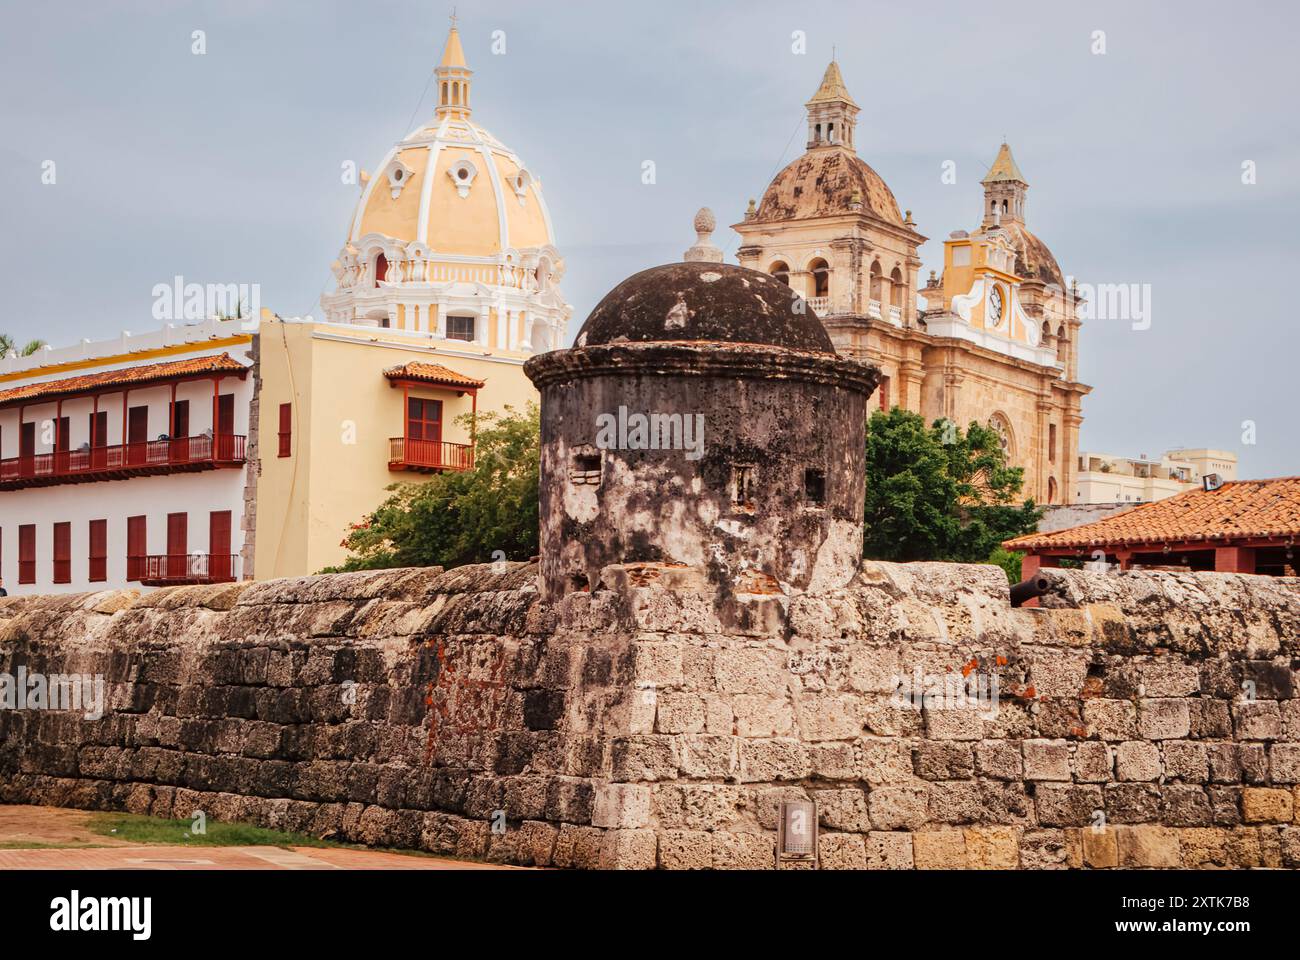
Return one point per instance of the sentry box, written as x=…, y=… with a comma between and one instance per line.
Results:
x=796, y=835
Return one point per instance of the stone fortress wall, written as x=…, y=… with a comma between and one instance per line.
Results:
x=1143, y=719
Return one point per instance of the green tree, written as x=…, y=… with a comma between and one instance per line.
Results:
x=8, y=346
x=938, y=493
x=459, y=518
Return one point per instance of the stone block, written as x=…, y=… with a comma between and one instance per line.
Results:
x=685, y=850
x=1046, y=759
x=898, y=807
x=621, y=806
x=1093, y=762
x=939, y=850
x=1148, y=846
x=1267, y=805
x=999, y=760
x=628, y=850
x=1137, y=760
x=992, y=848
x=1164, y=719
x=889, y=851
x=1110, y=719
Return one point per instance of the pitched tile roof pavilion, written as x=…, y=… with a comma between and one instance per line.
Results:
x=1244, y=526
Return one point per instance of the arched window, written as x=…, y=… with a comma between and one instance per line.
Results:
x=781, y=271
x=896, y=288
x=821, y=271
x=381, y=268
x=1051, y=489
x=830, y=133
x=1062, y=345
x=875, y=280
x=1047, y=332
x=1004, y=206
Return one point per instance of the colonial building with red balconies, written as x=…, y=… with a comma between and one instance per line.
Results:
x=124, y=462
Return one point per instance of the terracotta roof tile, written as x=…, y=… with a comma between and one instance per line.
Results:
x=1237, y=510
x=432, y=373
x=141, y=375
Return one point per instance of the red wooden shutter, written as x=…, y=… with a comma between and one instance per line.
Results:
x=177, y=558
x=98, y=551
x=27, y=553
x=137, y=434
x=286, y=429
x=220, y=561
x=63, y=552
x=181, y=419
x=225, y=427
x=136, y=546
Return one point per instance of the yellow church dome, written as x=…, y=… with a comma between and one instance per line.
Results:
x=453, y=225
x=452, y=186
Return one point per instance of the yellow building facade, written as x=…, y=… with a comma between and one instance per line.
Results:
x=447, y=282
x=994, y=340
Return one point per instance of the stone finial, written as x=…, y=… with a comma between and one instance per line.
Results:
x=855, y=200
x=907, y=219
x=751, y=211
x=704, y=249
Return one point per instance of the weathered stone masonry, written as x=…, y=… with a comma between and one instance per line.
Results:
x=631, y=728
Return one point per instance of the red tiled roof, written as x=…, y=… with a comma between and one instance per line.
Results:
x=433, y=373
x=1240, y=509
x=126, y=377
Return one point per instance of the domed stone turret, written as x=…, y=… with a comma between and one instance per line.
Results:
x=705, y=301
x=702, y=421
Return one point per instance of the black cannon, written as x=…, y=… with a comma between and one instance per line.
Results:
x=1029, y=589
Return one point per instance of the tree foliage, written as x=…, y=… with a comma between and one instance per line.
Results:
x=476, y=516
x=938, y=493
x=8, y=345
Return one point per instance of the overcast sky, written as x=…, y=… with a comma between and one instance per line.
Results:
x=225, y=168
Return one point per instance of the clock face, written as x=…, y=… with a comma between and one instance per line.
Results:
x=995, y=305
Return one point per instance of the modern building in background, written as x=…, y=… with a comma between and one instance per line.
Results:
x=238, y=449
x=1103, y=478
x=997, y=338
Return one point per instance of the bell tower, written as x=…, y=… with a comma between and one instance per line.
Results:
x=831, y=112
x=1004, y=190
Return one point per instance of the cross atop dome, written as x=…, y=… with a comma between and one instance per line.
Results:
x=453, y=77
x=831, y=111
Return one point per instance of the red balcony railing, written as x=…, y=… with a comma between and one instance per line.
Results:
x=170, y=569
x=428, y=455
x=122, y=460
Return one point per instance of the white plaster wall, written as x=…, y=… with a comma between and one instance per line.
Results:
x=196, y=494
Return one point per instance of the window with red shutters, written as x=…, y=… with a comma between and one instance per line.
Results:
x=220, y=561
x=180, y=419
x=177, y=549
x=424, y=420
x=27, y=553
x=98, y=551
x=286, y=429
x=136, y=546
x=63, y=552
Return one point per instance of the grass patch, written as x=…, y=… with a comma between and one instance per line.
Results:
x=35, y=845
x=136, y=828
